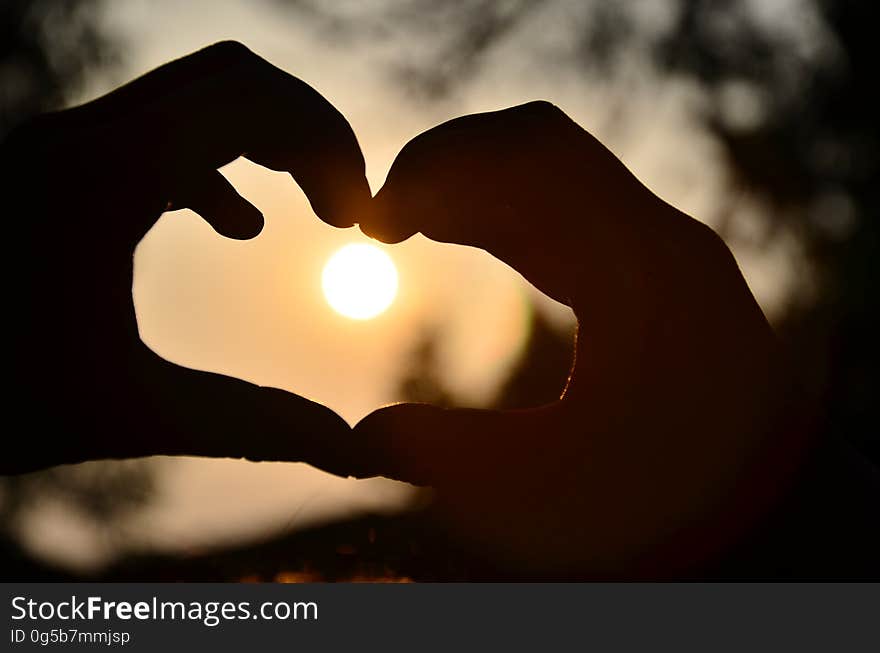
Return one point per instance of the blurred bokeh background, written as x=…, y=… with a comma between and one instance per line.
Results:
x=756, y=117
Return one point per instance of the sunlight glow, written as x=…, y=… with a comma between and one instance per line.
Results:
x=359, y=281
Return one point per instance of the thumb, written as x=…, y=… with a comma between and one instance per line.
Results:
x=216, y=200
x=428, y=445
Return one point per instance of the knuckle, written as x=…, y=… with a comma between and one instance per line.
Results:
x=708, y=241
x=541, y=110
x=540, y=107
x=229, y=51
x=544, y=117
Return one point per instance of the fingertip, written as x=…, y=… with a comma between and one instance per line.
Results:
x=378, y=221
x=399, y=420
x=241, y=223
x=392, y=442
x=375, y=418
x=335, y=200
x=231, y=215
x=386, y=236
x=348, y=208
x=228, y=51
x=427, y=445
x=341, y=219
x=216, y=200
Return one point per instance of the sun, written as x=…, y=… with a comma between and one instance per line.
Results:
x=359, y=281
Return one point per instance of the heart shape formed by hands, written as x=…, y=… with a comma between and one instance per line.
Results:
x=677, y=411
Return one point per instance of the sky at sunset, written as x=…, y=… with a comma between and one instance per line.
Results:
x=255, y=309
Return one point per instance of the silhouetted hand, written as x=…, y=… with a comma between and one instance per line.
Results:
x=82, y=188
x=679, y=427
